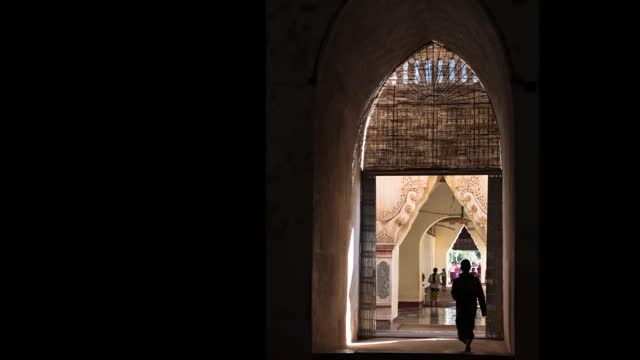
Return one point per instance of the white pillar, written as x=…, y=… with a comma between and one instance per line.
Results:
x=387, y=276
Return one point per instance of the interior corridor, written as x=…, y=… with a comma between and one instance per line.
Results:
x=429, y=322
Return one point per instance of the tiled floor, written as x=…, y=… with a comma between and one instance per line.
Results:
x=433, y=316
x=432, y=322
x=427, y=329
x=430, y=345
x=444, y=314
x=445, y=299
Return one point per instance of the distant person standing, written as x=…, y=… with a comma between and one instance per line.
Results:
x=452, y=273
x=443, y=280
x=434, y=286
x=467, y=292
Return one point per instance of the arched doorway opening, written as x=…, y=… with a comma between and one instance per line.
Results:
x=348, y=84
x=438, y=121
x=464, y=247
x=431, y=235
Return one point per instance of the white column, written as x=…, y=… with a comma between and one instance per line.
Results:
x=387, y=271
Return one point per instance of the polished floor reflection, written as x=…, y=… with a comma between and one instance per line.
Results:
x=422, y=321
x=433, y=316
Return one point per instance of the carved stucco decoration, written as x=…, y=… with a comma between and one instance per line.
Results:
x=471, y=192
x=382, y=281
x=398, y=201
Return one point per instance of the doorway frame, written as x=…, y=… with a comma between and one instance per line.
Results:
x=368, y=277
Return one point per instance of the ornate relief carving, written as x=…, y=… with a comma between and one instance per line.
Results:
x=470, y=186
x=411, y=185
x=382, y=280
x=471, y=191
x=393, y=223
x=381, y=235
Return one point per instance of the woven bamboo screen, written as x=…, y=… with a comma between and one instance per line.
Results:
x=432, y=113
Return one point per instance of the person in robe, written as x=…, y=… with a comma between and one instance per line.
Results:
x=467, y=292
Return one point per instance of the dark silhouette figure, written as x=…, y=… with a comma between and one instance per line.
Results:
x=434, y=285
x=467, y=292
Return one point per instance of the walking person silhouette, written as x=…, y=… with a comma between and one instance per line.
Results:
x=467, y=292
